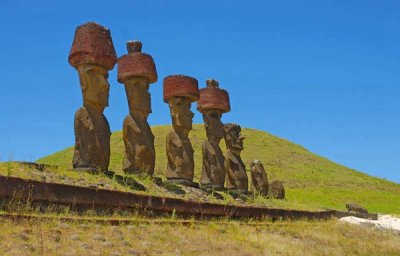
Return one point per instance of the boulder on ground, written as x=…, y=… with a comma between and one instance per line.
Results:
x=353, y=207
x=276, y=190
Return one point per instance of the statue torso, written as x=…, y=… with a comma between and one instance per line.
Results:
x=236, y=177
x=92, y=140
x=180, y=157
x=139, y=147
x=213, y=169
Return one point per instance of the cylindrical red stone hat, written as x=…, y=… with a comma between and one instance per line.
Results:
x=92, y=45
x=136, y=63
x=213, y=97
x=181, y=86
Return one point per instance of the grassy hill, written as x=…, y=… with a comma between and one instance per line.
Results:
x=311, y=181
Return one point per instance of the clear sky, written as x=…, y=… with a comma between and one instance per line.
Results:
x=323, y=74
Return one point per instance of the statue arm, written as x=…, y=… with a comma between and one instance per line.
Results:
x=228, y=168
x=206, y=158
x=130, y=149
x=84, y=136
x=175, y=154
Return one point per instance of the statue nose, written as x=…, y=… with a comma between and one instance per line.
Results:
x=241, y=137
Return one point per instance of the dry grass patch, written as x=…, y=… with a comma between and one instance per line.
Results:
x=210, y=238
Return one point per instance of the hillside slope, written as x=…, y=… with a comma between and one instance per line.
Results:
x=310, y=180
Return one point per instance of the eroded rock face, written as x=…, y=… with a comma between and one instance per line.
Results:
x=212, y=103
x=92, y=54
x=259, y=179
x=276, y=190
x=180, y=91
x=137, y=70
x=236, y=176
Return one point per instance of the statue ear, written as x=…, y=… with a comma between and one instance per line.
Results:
x=206, y=120
x=83, y=78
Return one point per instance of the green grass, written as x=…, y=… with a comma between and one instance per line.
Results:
x=311, y=182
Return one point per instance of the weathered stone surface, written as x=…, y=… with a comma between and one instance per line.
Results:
x=137, y=70
x=236, y=176
x=180, y=91
x=136, y=64
x=276, y=190
x=92, y=45
x=353, y=207
x=92, y=54
x=212, y=103
x=181, y=86
x=213, y=97
x=259, y=179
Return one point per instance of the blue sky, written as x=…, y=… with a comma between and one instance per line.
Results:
x=323, y=74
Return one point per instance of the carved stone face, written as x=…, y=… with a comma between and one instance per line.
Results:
x=213, y=124
x=137, y=91
x=180, y=112
x=256, y=166
x=94, y=84
x=233, y=137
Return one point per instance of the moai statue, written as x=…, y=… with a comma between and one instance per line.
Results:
x=92, y=55
x=212, y=103
x=179, y=92
x=236, y=176
x=259, y=180
x=137, y=71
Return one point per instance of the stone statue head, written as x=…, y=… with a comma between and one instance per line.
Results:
x=256, y=166
x=94, y=84
x=139, y=98
x=233, y=137
x=180, y=111
x=212, y=122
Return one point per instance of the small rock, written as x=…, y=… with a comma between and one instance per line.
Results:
x=115, y=253
x=130, y=227
x=145, y=243
x=133, y=252
x=125, y=243
x=86, y=246
x=56, y=238
x=116, y=230
x=83, y=226
x=27, y=231
x=107, y=244
x=63, y=225
x=119, y=237
x=29, y=247
x=93, y=186
x=74, y=237
x=102, y=183
x=99, y=237
x=23, y=237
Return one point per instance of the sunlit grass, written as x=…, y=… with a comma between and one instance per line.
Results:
x=311, y=181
